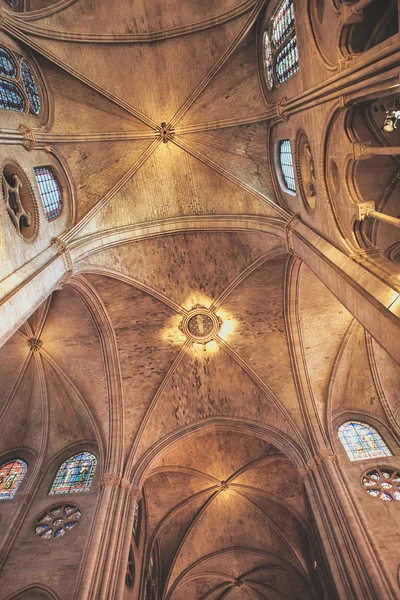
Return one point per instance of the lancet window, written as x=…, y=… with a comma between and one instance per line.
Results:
x=19, y=90
x=11, y=475
x=75, y=474
x=50, y=191
x=281, y=57
x=286, y=164
x=137, y=517
x=361, y=441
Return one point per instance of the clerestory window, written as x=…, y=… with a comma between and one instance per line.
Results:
x=361, y=441
x=50, y=191
x=19, y=90
x=281, y=57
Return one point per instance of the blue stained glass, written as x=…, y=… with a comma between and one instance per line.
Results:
x=286, y=162
x=287, y=61
x=50, y=191
x=75, y=474
x=11, y=97
x=362, y=441
x=283, y=23
x=11, y=475
x=7, y=64
x=31, y=87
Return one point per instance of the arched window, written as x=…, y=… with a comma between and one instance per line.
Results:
x=280, y=45
x=50, y=191
x=22, y=93
x=11, y=475
x=286, y=165
x=75, y=474
x=137, y=517
x=130, y=570
x=361, y=441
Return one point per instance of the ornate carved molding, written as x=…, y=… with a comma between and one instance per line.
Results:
x=360, y=150
x=289, y=234
x=63, y=250
x=35, y=343
x=29, y=137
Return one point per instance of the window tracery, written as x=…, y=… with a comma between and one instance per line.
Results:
x=50, y=191
x=286, y=164
x=20, y=201
x=11, y=476
x=57, y=521
x=281, y=58
x=19, y=90
x=361, y=441
x=75, y=474
x=383, y=483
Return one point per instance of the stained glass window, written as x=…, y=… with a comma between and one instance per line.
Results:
x=57, y=521
x=136, y=521
x=286, y=163
x=280, y=45
x=362, y=441
x=130, y=569
x=287, y=61
x=31, y=87
x=11, y=475
x=75, y=474
x=22, y=94
x=11, y=97
x=269, y=61
x=383, y=483
x=50, y=191
x=283, y=23
x=7, y=64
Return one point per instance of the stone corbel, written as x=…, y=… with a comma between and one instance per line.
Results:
x=280, y=109
x=289, y=234
x=29, y=138
x=63, y=250
x=110, y=480
x=349, y=15
x=360, y=150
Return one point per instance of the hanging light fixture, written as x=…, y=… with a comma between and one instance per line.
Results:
x=392, y=117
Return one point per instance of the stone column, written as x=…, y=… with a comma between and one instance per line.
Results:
x=372, y=301
x=22, y=292
x=352, y=555
x=100, y=572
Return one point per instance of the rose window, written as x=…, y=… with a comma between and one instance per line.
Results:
x=383, y=483
x=57, y=521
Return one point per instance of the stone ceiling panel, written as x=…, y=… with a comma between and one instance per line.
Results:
x=96, y=167
x=241, y=151
x=146, y=350
x=189, y=268
x=146, y=18
x=79, y=109
x=234, y=93
x=171, y=183
x=155, y=79
x=256, y=308
x=71, y=338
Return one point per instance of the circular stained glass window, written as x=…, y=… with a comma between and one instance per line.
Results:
x=57, y=521
x=382, y=483
x=200, y=325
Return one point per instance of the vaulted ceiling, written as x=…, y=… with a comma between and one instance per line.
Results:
x=157, y=228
